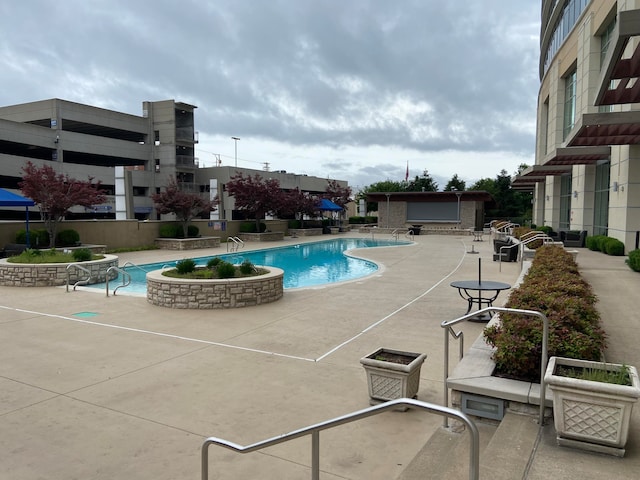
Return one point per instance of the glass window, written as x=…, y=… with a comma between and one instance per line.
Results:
x=601, y=200
x=569, y=103
x=565, y=202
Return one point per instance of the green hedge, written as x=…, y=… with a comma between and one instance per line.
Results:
x=634, y=260
x=361, y=220
x=67, y=238
x=250, y=227
x=37, y=238
x=554, y=287
x=604, y=244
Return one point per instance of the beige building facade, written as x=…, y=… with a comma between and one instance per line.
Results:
x=587, y=168
x=132, y=156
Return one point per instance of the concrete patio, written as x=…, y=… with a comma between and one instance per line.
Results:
x=112, y=387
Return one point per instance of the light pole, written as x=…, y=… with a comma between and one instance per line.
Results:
x=458, y=194
x=388, y=212
x=235, y=139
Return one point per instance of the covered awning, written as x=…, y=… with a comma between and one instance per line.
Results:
x=465, y=196
x=577, y=155
x=619, y=81
x=10, y=199
x=327, y=205
x=538, y=173
x=606, y=128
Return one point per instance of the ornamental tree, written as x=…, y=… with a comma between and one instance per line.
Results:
x=338, y=194
x=255, y=195
x=298, y=204
x=184, y=205
x=55, y=193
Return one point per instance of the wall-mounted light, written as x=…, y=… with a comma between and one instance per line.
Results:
x=547, y=198
x=575, y=194
x=615, y=186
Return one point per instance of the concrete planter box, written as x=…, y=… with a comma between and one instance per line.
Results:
x=389, y=380
x=215, y=294
x=187, y=243
x=54, y=274
x=591, y=415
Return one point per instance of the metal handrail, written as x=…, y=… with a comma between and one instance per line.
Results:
x=447, y=324
x=541, y=236
x=79, y=282
x=314, y=431
x=237, y=243
x=126, y=279
x=131, y=264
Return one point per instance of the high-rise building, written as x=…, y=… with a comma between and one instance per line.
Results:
x=587, y=166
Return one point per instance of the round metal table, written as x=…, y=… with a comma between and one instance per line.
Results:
x=474, y=291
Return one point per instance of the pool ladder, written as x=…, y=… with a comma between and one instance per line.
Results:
x=234, y=244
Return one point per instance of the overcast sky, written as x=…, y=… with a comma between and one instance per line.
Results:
x=344, y=89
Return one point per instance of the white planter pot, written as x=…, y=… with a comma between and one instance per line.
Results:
x=388, y=380
x=591, y=415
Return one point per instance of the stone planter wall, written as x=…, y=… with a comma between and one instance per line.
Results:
x=215, y=294
x=187, y=243
x=53, y=274
x=261, y=237
x=305, y=232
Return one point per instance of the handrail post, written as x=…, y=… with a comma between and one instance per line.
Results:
x=315, y=455
x=544, y=355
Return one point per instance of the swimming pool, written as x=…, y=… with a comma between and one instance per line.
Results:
x=305, y=265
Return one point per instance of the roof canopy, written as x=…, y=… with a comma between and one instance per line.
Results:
x=328, y=205
x=8, y=199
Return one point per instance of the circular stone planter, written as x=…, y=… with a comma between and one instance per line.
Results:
x=209, y=294
x=53, y=274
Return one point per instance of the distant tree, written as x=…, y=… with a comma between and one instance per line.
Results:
x=184, y=205
x=339, y=195
x=455, y=184
x=385, y=186
x=295, y=203
x=255, y=195
x=423, y=183
x=55, y=193
x=510, y=203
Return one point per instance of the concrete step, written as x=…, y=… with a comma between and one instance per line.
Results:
x=504, y=452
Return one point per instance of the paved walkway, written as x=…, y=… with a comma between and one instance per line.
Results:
x=96, y=387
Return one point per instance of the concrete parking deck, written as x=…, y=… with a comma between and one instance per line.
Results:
x=112, y=387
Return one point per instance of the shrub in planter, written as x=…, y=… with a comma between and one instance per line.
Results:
x=250, y=227
x=614, y=247
x=226, y=270
x=554, y=287
x=192, y=231
x=294, y=224
x=37, y=238
x=247, y=267
x=634, y=260
x=187, y=265
x=82, y=255
x=214, y=262
x=544, y=229
x=169, y=230
x=67, y=238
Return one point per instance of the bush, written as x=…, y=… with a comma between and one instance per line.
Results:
x=187, y=265
x=170, y=230
x=613, y=246
x=634, y=260
x=82, y=255
x=247, y=267
x=192, y=231
x=226, y=270
x=554, y=287
x=544, y=229
x=214, y=262
x=37, y=238
x=67, y=238
x=593, y=242
x=250, y=227
x=294, y=224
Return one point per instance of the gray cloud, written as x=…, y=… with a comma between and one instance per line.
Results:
x=424, y=76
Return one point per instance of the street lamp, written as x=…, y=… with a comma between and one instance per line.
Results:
x=388, y=212
x=458, y=194
x=235, y=139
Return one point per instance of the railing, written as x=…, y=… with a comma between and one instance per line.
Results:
x=126, y=278
x=407, y=233
x=79, y=282
x=539, y=236
x=236, y=244
x=314, y=431
x=448, y=324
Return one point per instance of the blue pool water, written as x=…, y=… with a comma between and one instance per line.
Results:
x=304, y=265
